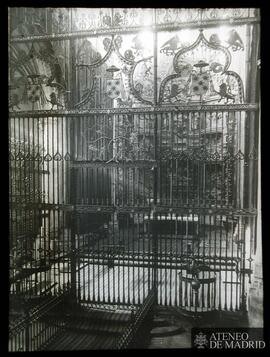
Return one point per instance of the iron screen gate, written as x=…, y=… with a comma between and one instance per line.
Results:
x=150, y=203
x=170, y=205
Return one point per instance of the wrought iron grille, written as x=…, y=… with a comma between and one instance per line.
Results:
x=131, y=167
x=96, y=208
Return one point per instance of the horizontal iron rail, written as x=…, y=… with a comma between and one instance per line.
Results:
x=179, y=258
x=167, y=210
x=126, y=164
x=154, y=109
x=167, y=267
x=35, y=313
x=134, y=29
x=163, y=258
x=109, y=306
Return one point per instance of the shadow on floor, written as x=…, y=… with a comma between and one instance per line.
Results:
x=171, y=329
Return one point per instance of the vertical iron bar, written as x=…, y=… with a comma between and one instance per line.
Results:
x=220, y=256
x=171, y=260
x=63, y=201
x=154, y=234
x=232, y=256
x=226, y=259
x=176, y=255
x=48, y=226
x=133, y=215
x=73, y=213
x=54, y=120
x=243, y=257
x=127, y=256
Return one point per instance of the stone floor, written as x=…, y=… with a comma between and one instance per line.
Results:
x=172, y=330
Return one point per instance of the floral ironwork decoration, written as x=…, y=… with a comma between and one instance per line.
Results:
x=202, y=75
x=131, y=69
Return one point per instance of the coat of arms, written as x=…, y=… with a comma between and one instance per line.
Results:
x=200, y=83
x=33, y=93
x=113, y=89
x=200, y=340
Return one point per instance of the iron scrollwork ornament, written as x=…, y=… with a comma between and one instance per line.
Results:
x=205, y=80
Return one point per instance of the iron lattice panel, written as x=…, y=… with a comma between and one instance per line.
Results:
x=132, y=199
